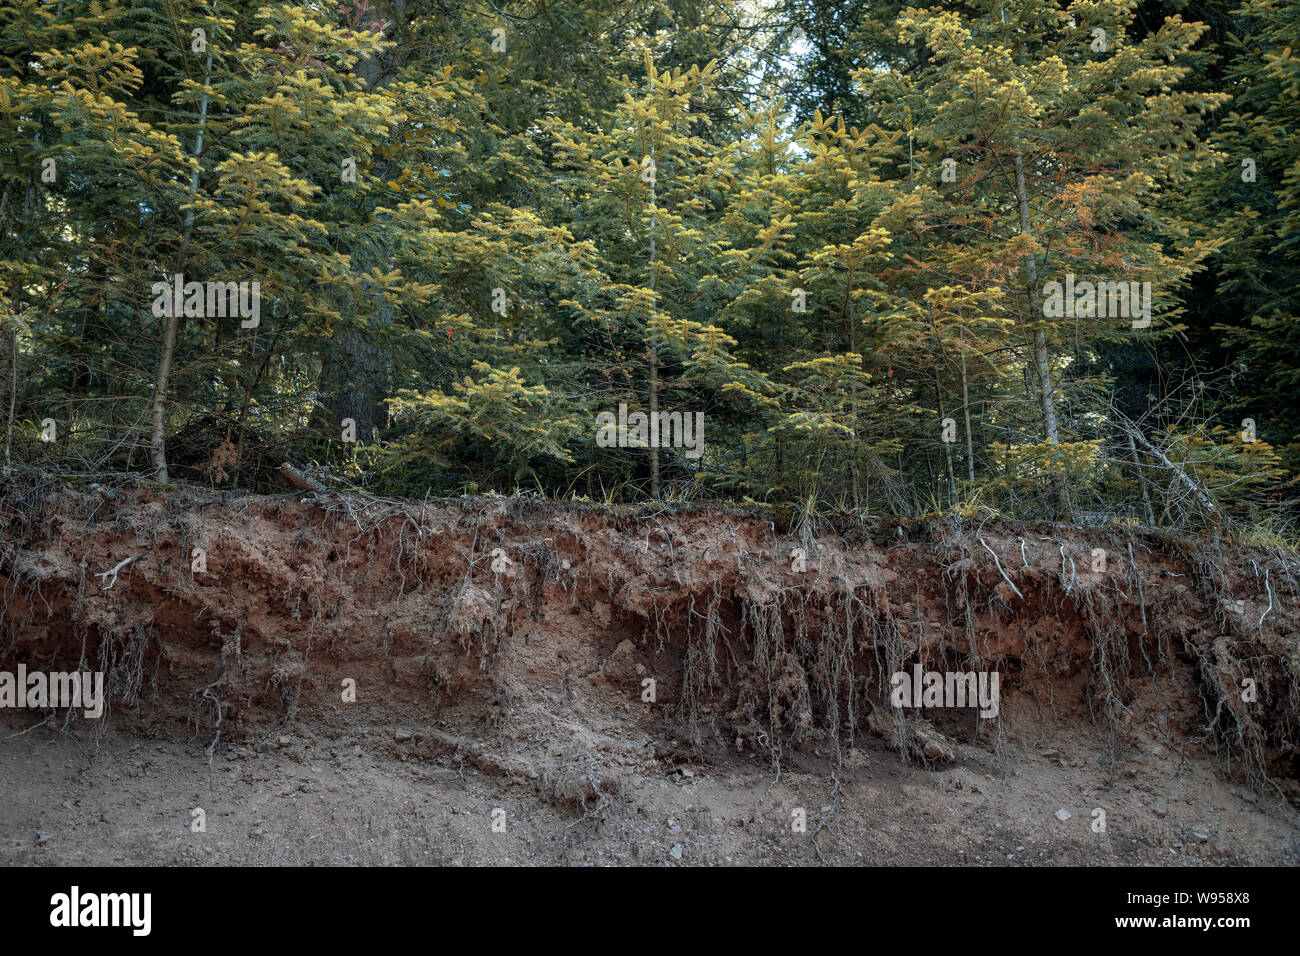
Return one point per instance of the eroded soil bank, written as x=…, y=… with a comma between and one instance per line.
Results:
x=342, y=679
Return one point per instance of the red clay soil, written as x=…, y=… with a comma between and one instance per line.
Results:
x=504, y=653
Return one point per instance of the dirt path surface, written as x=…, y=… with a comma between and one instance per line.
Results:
x=515, y=682
x=320, y=801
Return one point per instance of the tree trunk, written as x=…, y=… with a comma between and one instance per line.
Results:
x=654, y=352
x=13, y=391
x=965, y=407
x=1042, y=359
x=1142, y=482
x=654, y=410
x=157, y=445
x=157, y=437
x=947, y=445
x=357, y=381
x=356, y=374
x=853, y=394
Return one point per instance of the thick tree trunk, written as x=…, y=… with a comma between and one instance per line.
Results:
x=356, y=374
x=357, y=380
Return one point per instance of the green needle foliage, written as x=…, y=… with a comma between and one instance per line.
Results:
x=1027, y=256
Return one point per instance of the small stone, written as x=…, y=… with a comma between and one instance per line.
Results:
x=676, y=851
x=402, y=736
x=1200, y=836
x=1161, y=812
x=1062, y=814
x=1050, y=754
x=282, y=741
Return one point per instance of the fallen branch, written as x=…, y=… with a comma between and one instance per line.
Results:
x=296, y=479
x=1201, y=493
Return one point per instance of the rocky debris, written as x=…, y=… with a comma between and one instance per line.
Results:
x=921, y=740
